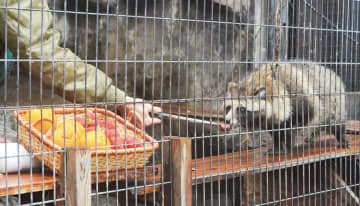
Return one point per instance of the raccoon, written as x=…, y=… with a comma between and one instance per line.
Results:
x=290, y=101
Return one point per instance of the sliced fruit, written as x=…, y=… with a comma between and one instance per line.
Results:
x=115, y=139
x=84, y=122
x=105, y=124
x=90, y=115
x=36, y=118
x=93, y=139
x=46, y=125
x=117, y=142
x=111, y=133
x=36, y=114
x=91, y=128
x=70, y=127
x=133, y=142
x=138, y=136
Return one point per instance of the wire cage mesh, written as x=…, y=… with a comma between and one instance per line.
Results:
x=171, y=102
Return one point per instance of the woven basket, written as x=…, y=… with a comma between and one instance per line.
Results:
x=102, y=159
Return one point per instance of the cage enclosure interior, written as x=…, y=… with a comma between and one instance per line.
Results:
x=180, y=102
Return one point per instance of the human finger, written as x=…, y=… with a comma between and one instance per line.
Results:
x=135, y=119
x=156, y=110
x=150, y=121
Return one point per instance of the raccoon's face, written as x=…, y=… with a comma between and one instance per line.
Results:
x=263, y=100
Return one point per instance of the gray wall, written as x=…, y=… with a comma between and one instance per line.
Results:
x=327, y=31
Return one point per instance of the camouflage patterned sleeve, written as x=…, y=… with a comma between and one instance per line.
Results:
x=59, y=67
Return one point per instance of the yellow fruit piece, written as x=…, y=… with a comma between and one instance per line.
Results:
x=93, y=139
x=70, y=127
x=47, y=120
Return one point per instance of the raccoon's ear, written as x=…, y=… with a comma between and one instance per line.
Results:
x=232, y=87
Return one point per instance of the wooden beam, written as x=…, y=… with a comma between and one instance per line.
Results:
x=167, y=193
x=78, y=177
x=181, y=167
x=239, y=163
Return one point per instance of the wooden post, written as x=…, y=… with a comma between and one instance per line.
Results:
x=167, y=171
x=78, y=177
x=182, y=171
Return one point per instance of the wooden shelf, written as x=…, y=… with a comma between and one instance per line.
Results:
x=242, y=162
x=204, y=169
x=13, y=184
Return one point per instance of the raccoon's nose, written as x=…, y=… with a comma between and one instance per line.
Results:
x=227, y=121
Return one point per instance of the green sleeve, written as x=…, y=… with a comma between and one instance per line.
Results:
x=38, y=40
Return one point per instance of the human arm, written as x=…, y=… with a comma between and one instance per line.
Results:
x=27, y=27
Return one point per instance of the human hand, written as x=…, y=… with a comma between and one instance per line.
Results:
x=139, y=113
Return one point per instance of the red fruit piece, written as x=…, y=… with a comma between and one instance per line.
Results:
x=133, y=142
x=81, y=120
x=111, y=132
x=91, y=128
x=115, y=138
x=105, y=124
x=84, y=121
x=90, y=115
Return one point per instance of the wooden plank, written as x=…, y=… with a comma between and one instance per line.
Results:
x=25, y=182
x=140, y=174
x=78, y=177
x=181, y=166
x=166, y=196
x=213, y=168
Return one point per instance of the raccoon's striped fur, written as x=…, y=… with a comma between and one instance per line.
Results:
x=289, y=100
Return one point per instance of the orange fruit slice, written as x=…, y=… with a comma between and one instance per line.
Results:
x=36, y=120
x=46, y=125
x=93, y=139
x=70, y=127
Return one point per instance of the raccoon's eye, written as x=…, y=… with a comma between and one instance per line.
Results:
x=260, y=93
x=227, y=109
